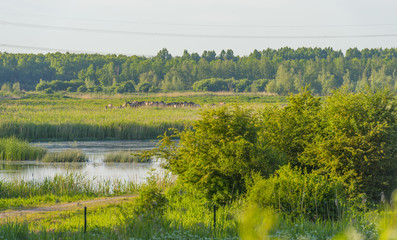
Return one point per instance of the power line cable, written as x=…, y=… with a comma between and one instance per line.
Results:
x=162, y=34
x=218, y=25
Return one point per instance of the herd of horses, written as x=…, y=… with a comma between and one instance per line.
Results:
x=135, y=104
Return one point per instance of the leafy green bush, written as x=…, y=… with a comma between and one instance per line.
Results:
x=82, y=88
x=357, y=142
x=220, y=152
x=144, y=87
x=151, y=200
x=48, y=91
x=213, y=85
x=259, y=85
x=242, y=85
x=348, y=136
x=294, y=126
x=299, y=194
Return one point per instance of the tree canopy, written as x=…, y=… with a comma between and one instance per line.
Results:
x=286, y=70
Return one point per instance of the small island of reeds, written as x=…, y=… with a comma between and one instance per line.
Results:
x=13, y=149
x=126, y=157
x=70, y=155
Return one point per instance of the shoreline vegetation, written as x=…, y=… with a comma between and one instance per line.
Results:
x=126, y=157
x=71, y=155
x=13, y=149
x=60, y=188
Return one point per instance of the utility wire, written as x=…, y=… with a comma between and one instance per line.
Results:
x=45, y=48
x=162, y=34
x=214, y=25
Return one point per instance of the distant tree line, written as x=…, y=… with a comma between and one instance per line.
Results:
x=279, y=71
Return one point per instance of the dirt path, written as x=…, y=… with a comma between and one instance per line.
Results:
x=67, y=206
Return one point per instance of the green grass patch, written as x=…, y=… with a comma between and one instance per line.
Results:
x=183, y=213
x=58, y=117
x=13, y=149
x=35, y=201
x=192, y=220
x=70, y=186
x=126, y=157
x=71, y=155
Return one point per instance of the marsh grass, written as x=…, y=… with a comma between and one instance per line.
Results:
x=126, y=157
x=13, y=149
x=71, y=184
x=57, y=117
x=19, y=194
x=71, y=155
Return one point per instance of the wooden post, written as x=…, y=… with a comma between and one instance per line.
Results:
x=85, y=219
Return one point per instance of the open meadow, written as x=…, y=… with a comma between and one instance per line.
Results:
x=37, y=117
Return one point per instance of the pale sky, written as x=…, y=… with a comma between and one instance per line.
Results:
x=144, y=27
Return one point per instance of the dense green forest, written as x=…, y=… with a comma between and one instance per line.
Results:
x=279, y=71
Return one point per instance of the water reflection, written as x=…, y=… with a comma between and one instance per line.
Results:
x=95, y=168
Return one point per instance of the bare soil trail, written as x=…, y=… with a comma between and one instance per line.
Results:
x=66, y=206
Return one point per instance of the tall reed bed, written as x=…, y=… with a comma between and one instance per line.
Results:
x=87, y=120
x=14, y=149
x=41, y=119
x=71, y=184
x=71, y=155
x=126, y=157
x=83, y=131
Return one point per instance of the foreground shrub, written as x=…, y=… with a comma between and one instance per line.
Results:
x=299, y=194
x=358, y=142
x=66, y=156
x=348, y=136
x=15, y=149
x=151, y=200
x=220, y=153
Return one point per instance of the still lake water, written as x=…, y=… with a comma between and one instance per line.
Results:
x=94, y=168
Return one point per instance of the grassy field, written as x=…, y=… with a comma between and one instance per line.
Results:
x=38, y=117
x=164, y=209
x=191, y=218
